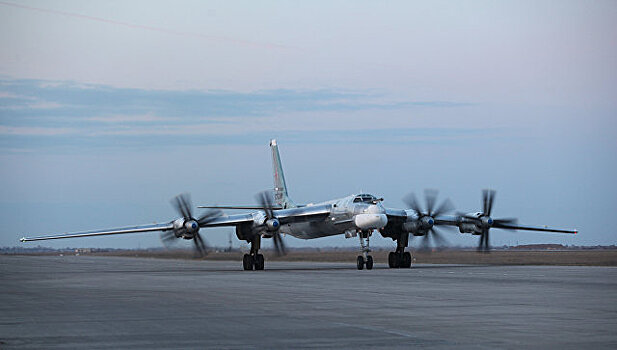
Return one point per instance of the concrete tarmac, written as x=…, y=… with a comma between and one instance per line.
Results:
x=120, y=303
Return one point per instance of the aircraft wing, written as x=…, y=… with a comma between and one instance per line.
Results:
x=285, y=216
x=452, y=220
x=241, y=207
x=230, y=220
x=117, y=231
x=396, y=214
x=531, y=228
x=455, y=220
x=401, y=215
x=307, y=213
x=447, y=220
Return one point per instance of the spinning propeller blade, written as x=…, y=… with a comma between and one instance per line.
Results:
x=182, y=204
x=486, y=222
x=265, y=200
x=446, y=206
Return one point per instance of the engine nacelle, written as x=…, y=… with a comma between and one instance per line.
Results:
x=468, y=227
x=244, y=232
x=186, y=229
x=418, y=227
x=178, y=224
x=411, y=226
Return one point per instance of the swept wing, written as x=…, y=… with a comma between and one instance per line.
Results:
x=116, y=231
x=284, y=216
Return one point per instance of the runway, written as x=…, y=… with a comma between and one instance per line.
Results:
x=112, y=302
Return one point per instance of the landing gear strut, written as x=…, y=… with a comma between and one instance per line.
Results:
x=254, y=260
x=400, y=258
x=365, y=259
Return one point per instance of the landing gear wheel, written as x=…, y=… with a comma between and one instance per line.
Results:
x=369, y=262
x=393, y=260
x=406, y=260
x=360, y=263
x=259, y=262
x=247, y=262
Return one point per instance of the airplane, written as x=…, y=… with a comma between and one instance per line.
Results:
x=357, y=215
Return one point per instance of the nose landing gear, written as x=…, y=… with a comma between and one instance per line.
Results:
x=365, y=259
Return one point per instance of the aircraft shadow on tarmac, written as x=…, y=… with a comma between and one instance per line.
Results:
x=283, y=269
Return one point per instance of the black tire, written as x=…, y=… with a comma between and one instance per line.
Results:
x=399, y=260
x=259, y=262
x=360, y=263
x=393, y=260
x=369, y=262
x=406, y=260
x=247, y=262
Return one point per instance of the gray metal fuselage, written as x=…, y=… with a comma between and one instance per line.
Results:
x=340, y=219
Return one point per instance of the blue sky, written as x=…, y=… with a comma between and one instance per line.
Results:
x=109, y=109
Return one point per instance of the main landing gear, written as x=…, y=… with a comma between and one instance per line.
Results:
x=400, y=258
x=364, y=259
x=254, y=260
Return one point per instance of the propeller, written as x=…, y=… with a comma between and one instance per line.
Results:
x=484, y=221
x=272, y=224
x=426, y=219
x=188, y=226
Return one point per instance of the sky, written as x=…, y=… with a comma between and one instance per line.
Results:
x=109, y=109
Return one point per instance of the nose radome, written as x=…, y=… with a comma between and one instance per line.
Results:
x=370, y=221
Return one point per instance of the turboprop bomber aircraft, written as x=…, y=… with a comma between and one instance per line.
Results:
x=358, y=215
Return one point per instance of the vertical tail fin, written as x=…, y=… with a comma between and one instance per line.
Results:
x=280, y=189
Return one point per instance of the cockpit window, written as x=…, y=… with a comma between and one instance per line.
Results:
x=364, y=198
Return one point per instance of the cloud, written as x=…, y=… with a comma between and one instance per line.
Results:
x=100, y=100
x=34, y=105
x=35, y=131
x=140, y=118
x=48, y=114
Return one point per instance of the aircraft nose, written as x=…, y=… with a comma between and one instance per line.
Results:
x=375, y=209
x=370, y=221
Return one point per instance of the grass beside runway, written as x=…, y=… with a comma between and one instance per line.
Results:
x=585, y=257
